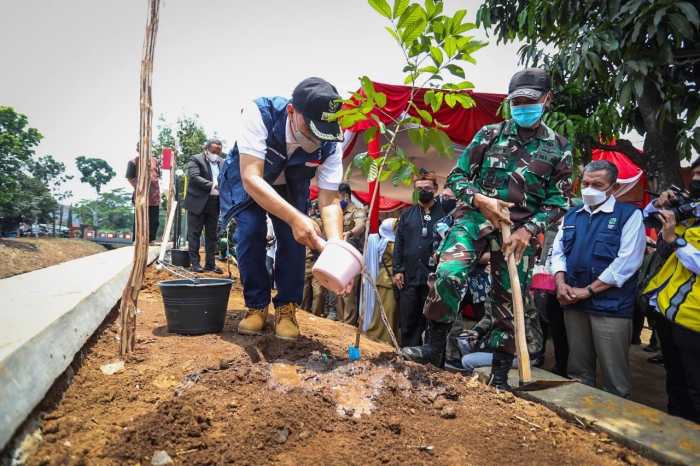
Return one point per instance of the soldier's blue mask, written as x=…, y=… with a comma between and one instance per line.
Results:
x=526, y=116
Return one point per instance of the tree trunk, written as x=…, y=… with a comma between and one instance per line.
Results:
x=130, y=295
x=663, y=162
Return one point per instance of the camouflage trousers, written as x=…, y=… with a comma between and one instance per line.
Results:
x=467, y=240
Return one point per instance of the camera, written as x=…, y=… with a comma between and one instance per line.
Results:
x=683, y=208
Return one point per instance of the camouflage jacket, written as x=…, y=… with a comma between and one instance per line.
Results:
x=534, y=175
x=352, y=217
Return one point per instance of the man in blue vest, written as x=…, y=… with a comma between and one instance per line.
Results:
x=282, y=145
x=595, y=257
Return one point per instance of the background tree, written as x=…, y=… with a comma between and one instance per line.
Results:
x=94, y=171
x=28, y=186
x=17, y=145
x=112, y=210
x=616, y=66
x=187, y=138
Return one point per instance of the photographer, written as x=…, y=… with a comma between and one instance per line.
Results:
x=675, y=293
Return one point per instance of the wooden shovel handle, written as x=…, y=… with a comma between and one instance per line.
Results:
x=518, y=313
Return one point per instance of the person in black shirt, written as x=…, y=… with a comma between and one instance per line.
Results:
x=412, y=258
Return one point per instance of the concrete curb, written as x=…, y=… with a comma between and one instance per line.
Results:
x=45, y=319
x=655, y=434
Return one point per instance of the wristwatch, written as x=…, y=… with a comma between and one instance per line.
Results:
x=532, y=228
x=590, y=290
x=679, y=243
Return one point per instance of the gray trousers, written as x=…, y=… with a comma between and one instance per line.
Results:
x=605, y=340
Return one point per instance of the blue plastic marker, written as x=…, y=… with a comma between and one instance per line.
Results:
x=354, y=353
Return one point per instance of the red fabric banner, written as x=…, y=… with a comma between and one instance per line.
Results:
x=462, y=124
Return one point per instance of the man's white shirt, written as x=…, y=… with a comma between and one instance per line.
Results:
x=252, y=141
x=629, y=256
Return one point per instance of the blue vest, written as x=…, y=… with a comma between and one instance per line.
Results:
x=298, y=168
x=591, y=243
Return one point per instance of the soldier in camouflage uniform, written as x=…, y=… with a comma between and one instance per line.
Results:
x=521, y=164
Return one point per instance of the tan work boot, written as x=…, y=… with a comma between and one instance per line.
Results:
x=286, y=326
x=253, y=322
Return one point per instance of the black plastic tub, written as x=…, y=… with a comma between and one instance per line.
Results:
x=180, y=257
x=194, y=309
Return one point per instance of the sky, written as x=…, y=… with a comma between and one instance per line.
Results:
x=73, y=65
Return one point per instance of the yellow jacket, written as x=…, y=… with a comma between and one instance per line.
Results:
x=677, y=288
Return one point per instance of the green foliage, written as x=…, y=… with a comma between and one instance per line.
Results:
x=112, y=210
x=28, y=186
x=616, y=66
x=94, y=171
x=17, y=145
x=187, y=138
x=52, y=174
x=433, y=45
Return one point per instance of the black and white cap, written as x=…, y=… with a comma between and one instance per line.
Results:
x=317, y=100
x=530, y=83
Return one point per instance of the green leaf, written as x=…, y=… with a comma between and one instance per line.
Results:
x=690, y=12
x=450, y=46
x=429, y=97
x=399, y=7
x=415, y=29
x=681, y=25
x=428, y=69
x=373, y=171
x=359, y=160
x=450, y=100
x=369, y=133
x=465, y=100
x=382, y=7
x=393, y=33
x=436, y=55
x=457, y=19
x=437, y=103
x=430, y=7
x=424, y=114
x=465, y=85
x=411, y=14
x=658, y=15
x=639, y=86
x=416, y=135
x=456, y=70
x=380, y=99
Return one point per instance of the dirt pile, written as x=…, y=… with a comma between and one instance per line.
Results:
x=22, y=255
x=228, y=399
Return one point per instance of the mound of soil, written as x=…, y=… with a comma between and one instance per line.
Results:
x=229, y=399
x=22, y=255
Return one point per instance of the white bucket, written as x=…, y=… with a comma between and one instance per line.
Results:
x=337, y=266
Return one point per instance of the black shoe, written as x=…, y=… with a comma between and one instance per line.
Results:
x=214, y=269
x=196, y=269
x=658, y=359
x=433, y=351
x=501, y=365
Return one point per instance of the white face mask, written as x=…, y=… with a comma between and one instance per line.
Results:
x=306, y=143
x=593, y=197
x=212, y=157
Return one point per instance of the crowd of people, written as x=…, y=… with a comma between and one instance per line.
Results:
x=440, y=265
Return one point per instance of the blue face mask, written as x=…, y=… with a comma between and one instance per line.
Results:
x=526, y=116
x=343, y=204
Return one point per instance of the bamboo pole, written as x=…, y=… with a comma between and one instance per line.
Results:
x=130, y=295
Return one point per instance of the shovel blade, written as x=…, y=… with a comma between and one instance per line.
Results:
x=536, y=385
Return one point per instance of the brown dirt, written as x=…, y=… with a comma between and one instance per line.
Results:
x=23, y=255
x=225, y=399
